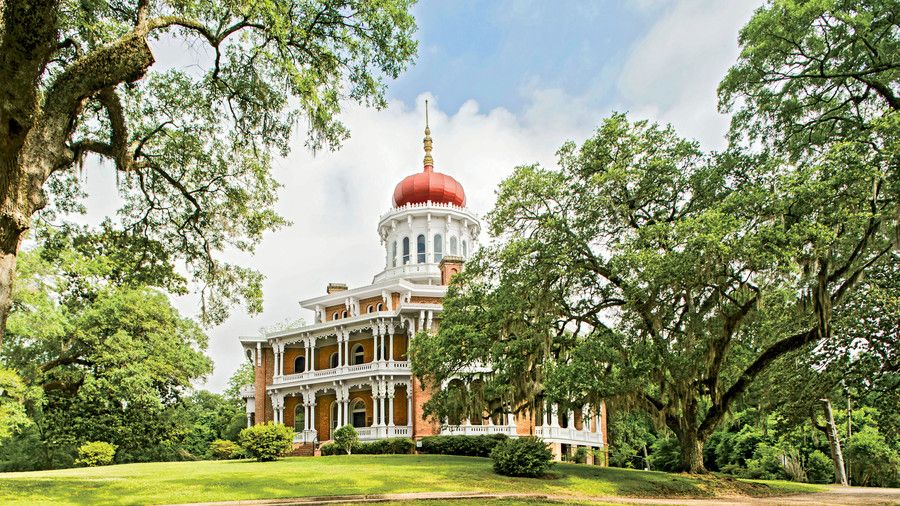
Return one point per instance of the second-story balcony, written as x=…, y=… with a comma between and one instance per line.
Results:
x=343, y=373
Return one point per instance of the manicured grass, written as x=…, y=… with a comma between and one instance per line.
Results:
x=181, y=482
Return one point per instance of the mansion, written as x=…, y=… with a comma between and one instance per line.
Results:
x=350, y=365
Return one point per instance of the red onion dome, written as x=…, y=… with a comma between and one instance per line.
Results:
x=429, y=186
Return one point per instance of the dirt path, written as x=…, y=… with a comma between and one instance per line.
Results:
x=833, y=497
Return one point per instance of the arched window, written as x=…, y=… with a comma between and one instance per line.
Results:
x=379, y=307
x=369, y=309
x=299, y=365
x=334, y=316
x=394, y=254
x=299, y=417
x=358, y=355
x=333, y=360
x=438, y=247
x=453, y=249
x=405, y=250
x=358, y=413
x=420, y=249
x=344, y=314
x=465, y=250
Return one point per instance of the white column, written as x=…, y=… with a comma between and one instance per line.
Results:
x=347, y=348
x=585, y=418
x=306, y=354
x=409, y=409
x=490, y=420
x=381, y=341
x=570, y=419
x=312, y=354
x=554, y=416
x=545, y=414
x=374, y=409
x=312, y=413
x=340, y=343
x=249, y=418
x=347, y=410
x=391, y=343
x=374, y=343
x=391, y=405
x=510, y=419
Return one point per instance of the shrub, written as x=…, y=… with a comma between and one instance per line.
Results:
x=397, y=445
x=267, y=442
x=96, y=453
x=581, y=454
x=819, y=468
x=767, y=463
x=345, y=438
x=665, y=454
x=471, y=446
x=224, y=449
x=525, y=456
x=872, y=460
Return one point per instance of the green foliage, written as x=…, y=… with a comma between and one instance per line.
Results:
x=345, y=438
x=472, y=446
x=524, y=456
x=193, y=150
x=224, y=449
x=872, y=461
x=13, y=396
x=581, y=454
x=767, y=463
x=96, y=453
x=630, y=432
x=665, y=455
x=819, y=468
x=389, y=446
x=266, y=442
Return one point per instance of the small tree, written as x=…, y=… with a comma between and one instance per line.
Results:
x=96, y=453
x=345, y=437
x=267, y=442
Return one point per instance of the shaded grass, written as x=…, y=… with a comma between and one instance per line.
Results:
x=180, y=482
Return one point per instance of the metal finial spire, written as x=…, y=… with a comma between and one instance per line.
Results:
x=429, y=161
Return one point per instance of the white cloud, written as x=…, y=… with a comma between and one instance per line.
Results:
x=673, y=72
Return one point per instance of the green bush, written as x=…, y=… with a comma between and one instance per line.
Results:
x=96, y=453
x=767, y=463
x=471, y=446
x=224, y=449
x=873, y=463
x=819, y=468
x=397, y=445
x=267, y=442
x=346, y=438
x=580, y=456
x=525, y=456
x=665, y=454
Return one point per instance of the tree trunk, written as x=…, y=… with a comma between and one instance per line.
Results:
x=692, y=455
x=837, y=456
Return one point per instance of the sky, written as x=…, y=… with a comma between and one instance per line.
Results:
x=508, y=81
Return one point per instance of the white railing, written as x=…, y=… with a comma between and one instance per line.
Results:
x=476, y=430
x=381, y=432
x=343, y=372
x=305, y=436
x=569, y=435
x=408, y=270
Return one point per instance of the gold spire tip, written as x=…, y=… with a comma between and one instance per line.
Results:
x=428, y=161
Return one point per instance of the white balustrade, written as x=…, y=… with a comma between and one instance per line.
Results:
x=310, y=377
x=569, y=435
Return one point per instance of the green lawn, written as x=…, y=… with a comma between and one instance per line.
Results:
x=179, y=482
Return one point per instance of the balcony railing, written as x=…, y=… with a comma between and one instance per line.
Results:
x=409, y=270
x=477, y=430
x=343, y=372
x=373, y=433
x=569, y=435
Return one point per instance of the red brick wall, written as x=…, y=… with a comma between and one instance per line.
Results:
x=421, y=427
